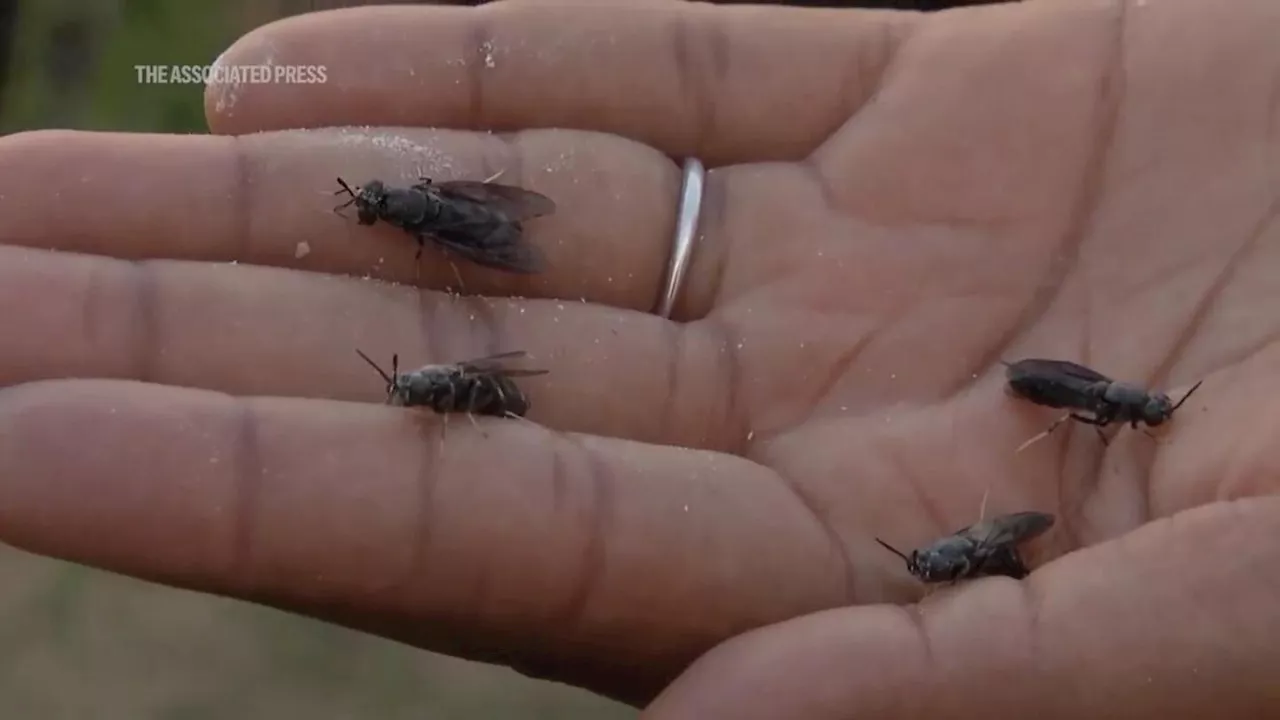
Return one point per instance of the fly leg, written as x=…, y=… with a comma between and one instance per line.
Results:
x=1037, y=438
x=504, y=402
x=476, y=424
x=1097, y=422
x=970, y=569
x=448, y=405
x=417, y=267
x=471, y=414
x=444, y=430
x=417, y=264
x=462, y=287
x=1018, y=565
x=422, y=417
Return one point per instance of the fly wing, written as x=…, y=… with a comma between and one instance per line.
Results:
x=494, y=365
x=510, y=354
x=498, y=245
x=1040, y=366
x=515, y=203
x=1003, y=561
x=1055, y=383
x=1010, y=529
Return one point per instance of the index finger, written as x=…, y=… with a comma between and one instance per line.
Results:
x=726, y=84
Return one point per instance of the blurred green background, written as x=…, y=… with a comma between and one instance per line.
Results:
x=77, y=643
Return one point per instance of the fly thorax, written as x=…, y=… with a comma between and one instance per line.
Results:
x=1125, y=394
x=445, y=391
x=405, y=208
x=436, y=210
x=949, y=559
x=416, y=384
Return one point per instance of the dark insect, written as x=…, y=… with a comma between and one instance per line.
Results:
x=477, y=387
x=1062, y=384
x=987, y=548
x=479, y=221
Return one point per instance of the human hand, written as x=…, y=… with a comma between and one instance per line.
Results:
x=900, y=201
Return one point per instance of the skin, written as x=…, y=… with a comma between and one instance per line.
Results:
x=895, y=203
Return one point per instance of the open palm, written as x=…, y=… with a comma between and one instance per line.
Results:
x=898, y=202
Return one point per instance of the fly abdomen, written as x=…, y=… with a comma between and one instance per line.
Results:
x=407, y=209
x=491, y=395
x=1055, y=392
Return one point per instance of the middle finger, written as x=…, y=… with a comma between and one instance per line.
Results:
x=250, y=330
x=268, y=199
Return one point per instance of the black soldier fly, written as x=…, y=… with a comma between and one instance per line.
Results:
x=476, y=387
x=1063, y=384
x=479, y=221
x=985, y=549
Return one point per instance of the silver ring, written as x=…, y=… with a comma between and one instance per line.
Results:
x=686, y=231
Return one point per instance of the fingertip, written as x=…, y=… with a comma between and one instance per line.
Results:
x=226, y=85
x=349, y=65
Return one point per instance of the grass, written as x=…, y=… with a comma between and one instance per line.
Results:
x=85, y=78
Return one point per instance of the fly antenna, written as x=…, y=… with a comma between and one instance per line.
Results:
x=894, y=550
x=344, y=189
x=1184, y=397
x=388, y=378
